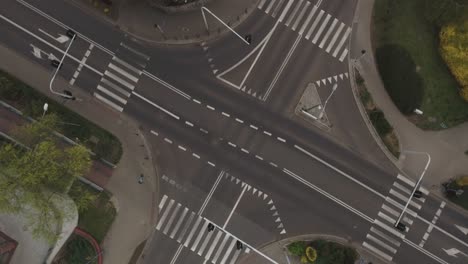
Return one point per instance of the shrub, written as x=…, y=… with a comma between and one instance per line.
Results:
x=297, y=248
x=311, y=254
x=398, y=72
x=381, y=124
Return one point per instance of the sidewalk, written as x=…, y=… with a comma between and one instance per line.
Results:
x=445, y=147
x=139, y=19
x=135, y=203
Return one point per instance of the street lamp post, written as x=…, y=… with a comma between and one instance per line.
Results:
x=416, y=186
x=326, y=101
x=56, y=71
x=46, y=106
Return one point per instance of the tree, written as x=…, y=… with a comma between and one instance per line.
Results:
x=34, y=176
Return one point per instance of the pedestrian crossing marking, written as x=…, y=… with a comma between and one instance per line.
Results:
x=212, y=245
x=384, y=239
x=321, y=28
x=117, y=84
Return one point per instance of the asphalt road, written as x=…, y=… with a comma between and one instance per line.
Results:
x=236, y=155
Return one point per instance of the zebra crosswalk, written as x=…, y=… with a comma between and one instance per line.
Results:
x=383, y=239
x=117, y=84
x=317, y=26
x=191, y=230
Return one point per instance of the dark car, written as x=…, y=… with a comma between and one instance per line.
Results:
x=401, y=227
x=71, y=33
x=55, y=63
x=417, y=194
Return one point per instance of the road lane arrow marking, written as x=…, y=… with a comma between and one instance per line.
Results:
x=36, y=51
x=464, y=230
x=453, y=252
x=61, y=38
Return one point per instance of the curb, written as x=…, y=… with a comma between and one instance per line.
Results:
x=352, y=66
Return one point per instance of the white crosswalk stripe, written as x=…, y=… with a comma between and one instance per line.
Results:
x=216, y=246
x=306, y=21
x=117, y=84
x=384, y=239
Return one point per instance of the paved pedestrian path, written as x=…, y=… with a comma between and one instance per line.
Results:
x=445, y=147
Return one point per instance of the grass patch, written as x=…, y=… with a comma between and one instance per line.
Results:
x=403, y=26
x=98, y=217
x=377, y=117
x=31, y=102
x=327, y=252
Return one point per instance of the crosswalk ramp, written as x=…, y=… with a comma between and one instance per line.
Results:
x=117, y=83
x=384, y=239
x=316, y=25
x=191, y=230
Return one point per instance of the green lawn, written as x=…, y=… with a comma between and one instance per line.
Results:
x=31, y=102
x=98, y=218
x=403, y=24
x=328, y=252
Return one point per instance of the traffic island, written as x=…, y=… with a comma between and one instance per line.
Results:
x=311, y=109
x=322, y=252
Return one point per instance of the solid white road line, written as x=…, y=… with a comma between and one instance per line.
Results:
x=119, y=80
x=342, y=41
x=283, y=65
x=321, y=28
x=338, y=170
x=308, y=19
x=66, y=27
x=314, y=25
x=49, y=44
x=210, y=194
x=167, y=85
x=327, y=35
x=108, y=102
x=235, y=206
x=157, y=106
x=377, y=251
x=124, y=73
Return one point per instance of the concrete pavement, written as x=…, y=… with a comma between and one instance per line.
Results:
x=446, y=147
x=134, y=202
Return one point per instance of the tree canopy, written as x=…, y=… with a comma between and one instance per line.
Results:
x=33, y=175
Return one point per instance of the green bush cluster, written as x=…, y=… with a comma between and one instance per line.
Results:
x=327, y=251
x=74, y=126
x=380, y=123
